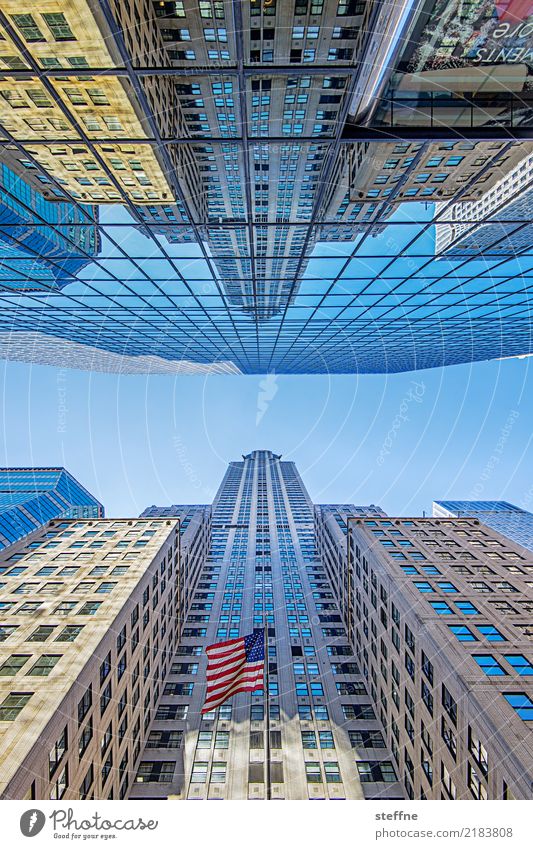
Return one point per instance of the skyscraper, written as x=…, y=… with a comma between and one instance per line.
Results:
x=399, y=658
x=29, y=498
x=513, y=522
x=507, y=206
x=90, y=617
x=43, y=243
x=262, y=568
x=439, y=612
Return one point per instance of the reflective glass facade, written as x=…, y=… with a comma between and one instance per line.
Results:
x=228, y=197
x=29, y=498
x=513, y=522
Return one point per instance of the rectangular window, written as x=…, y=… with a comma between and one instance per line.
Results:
x=12, y=706
x=519, y=663
x=44, y=665
x=376, y=771
x=521, y=703
x=313, y=773
x=57, y=752
x=13, y=664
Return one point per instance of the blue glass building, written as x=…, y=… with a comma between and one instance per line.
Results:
x=43, y=244
x=31, y=497
x=295, y=230
x=511, y=521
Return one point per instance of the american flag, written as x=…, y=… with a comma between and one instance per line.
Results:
x=234, y=666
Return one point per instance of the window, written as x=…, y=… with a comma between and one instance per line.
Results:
x=366, y=740
x=6, y=631
x=155, y=771
x=257, y=713
x=332, y=772
x=60, y=786
x=44, y=665
x=164, y=740
x=491, y=633
x=463, y=633
x=85, y=737
x=312, y=772
x=326, y=740
x=57, y=752
x=376, y=771
x=69, y=634
x=427, y=668
x=105, y=668
x=475, y=784
x=521, y=703
x=12, y=706
x=446, y=587
x=222, y=740
x=85, y=787
x=467, y=607
x=84, y=705
x=57, y=23
x=449, y=704
x=441, y=607
x=519, y=663
x=358, y=712
x=199, y=772
x=27, y=26
x=488, y=664
x=89, y=608
x=479, y=752
x=309, y=739
x=218, y=772
x=12, y=665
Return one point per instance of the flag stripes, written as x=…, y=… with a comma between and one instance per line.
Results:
x=234, y=666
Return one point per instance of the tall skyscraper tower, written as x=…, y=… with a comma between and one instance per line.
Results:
x=325, y=739
x=29, y=498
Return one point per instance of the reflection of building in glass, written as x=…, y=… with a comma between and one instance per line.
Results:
x=376, y=173
x=254, y=173
x=509, y=201
x=439, y=612
x=94, y=118
x=42, y=230
x=274, y=185
x=455, y=63
x=511, y=521
x=29, y=498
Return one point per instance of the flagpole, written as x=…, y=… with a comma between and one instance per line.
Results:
x=267, y=725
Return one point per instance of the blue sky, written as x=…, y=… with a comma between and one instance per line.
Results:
x=394, y=440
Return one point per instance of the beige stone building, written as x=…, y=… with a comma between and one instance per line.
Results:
x=99, y=113
x=90, y=617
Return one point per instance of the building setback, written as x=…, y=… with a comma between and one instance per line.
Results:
x=439, y=611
